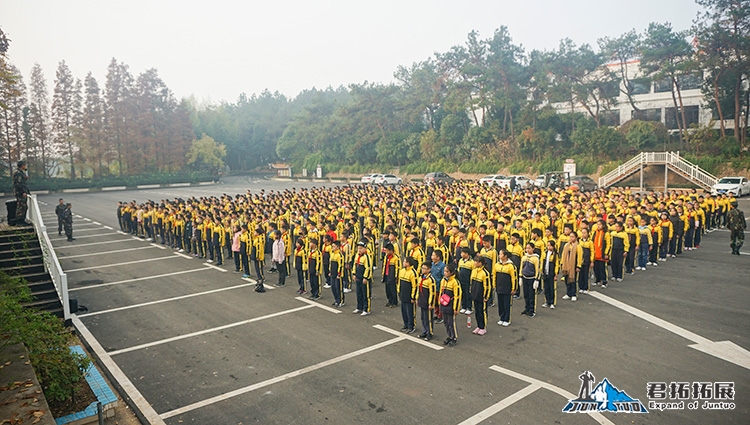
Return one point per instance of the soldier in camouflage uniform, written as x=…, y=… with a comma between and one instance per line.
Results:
x=21, y=189
x=736, y=224
x=68, y=222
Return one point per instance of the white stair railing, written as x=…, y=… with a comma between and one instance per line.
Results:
x=673, y=160
x=51, y=263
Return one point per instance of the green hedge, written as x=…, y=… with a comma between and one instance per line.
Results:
x=55, y=184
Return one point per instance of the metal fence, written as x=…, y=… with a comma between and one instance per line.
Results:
x=51, y=264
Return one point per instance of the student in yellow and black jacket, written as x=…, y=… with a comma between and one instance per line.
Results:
x=362, y=269
x=245, y=243
x=465, y=267
x=336, y=271
x=300, y=264
x=620, y=248
x=634, y=242
x=258, y=256
x=506, y=279
x=481, y=290
x=550, y=262
x=391, y=266
x=407, y=289
x=667, y=232
x=531, y=272
x=450, y=301
x=314, y=269
x=587, y=258
x=218, y=241
x=426, y=300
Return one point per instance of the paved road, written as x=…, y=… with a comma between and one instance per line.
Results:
x=201, y=347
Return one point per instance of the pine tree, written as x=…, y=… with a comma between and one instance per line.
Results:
x=39, y=118
x=95, y=152
x=66, y=111
x=13, y=98
x=118, y=89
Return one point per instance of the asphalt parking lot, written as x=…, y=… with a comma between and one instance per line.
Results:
x=191, y=343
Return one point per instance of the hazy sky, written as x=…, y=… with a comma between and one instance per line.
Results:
x=218, y=49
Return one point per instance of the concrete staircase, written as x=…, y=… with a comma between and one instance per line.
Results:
x=21, y=255
x=672, y=161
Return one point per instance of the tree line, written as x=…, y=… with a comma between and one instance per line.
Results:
x=484, y=103
x=130, y=126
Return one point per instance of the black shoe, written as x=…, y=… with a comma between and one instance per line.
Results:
x=439, y=321
x=411, y=331
x=531, y=314
x=447, y=341
x=71, y=239
x=428, y=337
x=404, y=329
x=523, y=313
x=59, y=233
x=260, y=289
x=452, y=343
x=423, y=335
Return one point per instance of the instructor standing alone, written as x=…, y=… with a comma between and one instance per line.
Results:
x=21, y=189
x=737, y=225
x=59, y=210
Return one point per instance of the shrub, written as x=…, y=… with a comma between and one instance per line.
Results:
x=60, y=372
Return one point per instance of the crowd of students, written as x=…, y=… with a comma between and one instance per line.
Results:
x=438, y=250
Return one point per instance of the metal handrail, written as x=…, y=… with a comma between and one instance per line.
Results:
x=51, y=263
x=670, y=159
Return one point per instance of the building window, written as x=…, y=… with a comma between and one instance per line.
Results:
x=647, y=115
x=691, y=81
x=610, y=118
x=640, y=86
x=663, y=86
x=691, y=117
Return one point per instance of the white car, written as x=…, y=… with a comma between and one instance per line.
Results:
x=522, y=182
x=386, y=179
x=737, y=186
x=368, y=178
x=539, y=182
x=492, y=179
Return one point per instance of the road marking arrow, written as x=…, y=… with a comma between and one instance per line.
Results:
x=725, y=350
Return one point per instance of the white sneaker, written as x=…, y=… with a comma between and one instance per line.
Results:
x=501, y=323
x=566, y=297
x=357, y=311
x=326, y=286
x=347, y=290
x=210, y=261
x=469, y=312
x=545, y=305
x=619, y=279
x=462, y=311
x=552, y=307
x=573, y=298
x=506, y=323
x=365, y=313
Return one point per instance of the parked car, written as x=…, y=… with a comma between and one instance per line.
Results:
x=492, y=180
x=386, y=179
x=522, y=182
x=583, y=183
x=438, y=177
x=737, y=186
x=539, y=182
x=368, y=178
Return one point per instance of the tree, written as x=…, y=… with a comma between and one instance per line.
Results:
x=666, y=55
x=66, y=113
x=39, y=118
x=96, y=151
x=622, y=50
x=13, y=97
x=118, y=94
x=206, y=155
x=724, y=45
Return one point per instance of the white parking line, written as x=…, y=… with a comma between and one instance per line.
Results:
x=156, y=245
x=148, y=412
x=725, y=350
x=92, y=243
x=137, y=279
x=409, y=337
x=214, y=267
x=278, y=379
x=182, y=297
x=107, y=227
x=86, y=236
x=210, y=330
x=171, y=257
x=499, y=406
x=540, y=384
x=88, y=229
x=103, y=253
